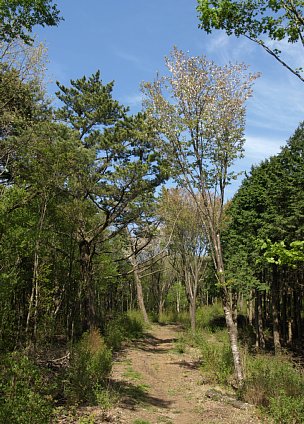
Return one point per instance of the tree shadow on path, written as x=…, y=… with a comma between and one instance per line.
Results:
x=132, y=395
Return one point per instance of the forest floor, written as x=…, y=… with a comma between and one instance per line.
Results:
x=156, y=385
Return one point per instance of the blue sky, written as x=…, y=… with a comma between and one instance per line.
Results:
x=127, y=41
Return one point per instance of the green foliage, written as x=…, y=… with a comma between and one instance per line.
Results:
x=278, y=253
x=23, y=396
x=18, y=17
x=125, y=327
x=267, y=376
x=287, y=409
x=210, y=317
x=180, y=345
x=217, y=360
x=105, y=398
x=256, y=20
x=168, y=317
x=275, y=384
x=90, y=365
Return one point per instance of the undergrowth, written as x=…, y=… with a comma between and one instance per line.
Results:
x=24, y=398
x=124, y=327
x=36, y=394
x=272, y=383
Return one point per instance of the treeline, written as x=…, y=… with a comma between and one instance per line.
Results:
x=264, y=248
x=72, y=180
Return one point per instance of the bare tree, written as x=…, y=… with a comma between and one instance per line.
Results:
x=199, y=110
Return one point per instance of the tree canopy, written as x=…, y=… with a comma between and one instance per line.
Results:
x=18, y=17
x=258, y=20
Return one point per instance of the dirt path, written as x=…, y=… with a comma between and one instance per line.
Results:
x=159, y=385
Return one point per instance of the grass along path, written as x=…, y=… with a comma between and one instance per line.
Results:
x=159, y=385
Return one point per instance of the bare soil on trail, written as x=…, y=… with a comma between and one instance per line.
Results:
x=159, y=385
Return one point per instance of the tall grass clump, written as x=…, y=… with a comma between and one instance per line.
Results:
x=23, y=391
x=275, y=384
x=90, y=365
x=217, y=360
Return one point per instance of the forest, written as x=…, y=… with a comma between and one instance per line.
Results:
x=112, y=222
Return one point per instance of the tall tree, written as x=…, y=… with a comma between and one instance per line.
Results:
x=278, y=20
x=200, y=115
x=124, y=171
x=266, y=225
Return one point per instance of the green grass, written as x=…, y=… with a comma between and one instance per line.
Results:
x=131, y=374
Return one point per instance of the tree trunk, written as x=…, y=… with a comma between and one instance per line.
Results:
x=86, y=251
x=161, y=304
x=275, y=293
x=34, y=298
x=231, y=325
x=250, y=311
x=178, y=300
x=260, y=339
x=297, y=299
x=192, y=311
x=140, y=297
x=138, y=285
x=233, y=338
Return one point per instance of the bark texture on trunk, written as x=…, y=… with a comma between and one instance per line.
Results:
x=139, y=291
x=260, y=339
x=140, y=297
x=228, y=312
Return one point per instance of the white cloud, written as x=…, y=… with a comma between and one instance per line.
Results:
x=133, y=100
x=259, y=148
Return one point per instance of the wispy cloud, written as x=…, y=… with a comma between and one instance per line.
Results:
x=258, y=148
x=138, y=62
x=133, y=100
x=276, y=104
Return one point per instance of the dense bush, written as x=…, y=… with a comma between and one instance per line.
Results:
x=275, y=384
x=210, y=317
x=217, y=361
x=125, y=327
x=23, y=396
x=91, y=363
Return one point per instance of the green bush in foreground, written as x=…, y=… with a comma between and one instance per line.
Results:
x=287, y=409
x=91, y=363
x=272, y=382
x=275, y=384
x=22, y=392
x=210, y=317
x=217, y=361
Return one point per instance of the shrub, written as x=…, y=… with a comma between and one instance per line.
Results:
x=216, y=355
x=287, y=409
x=210, y=317
x=125, y=327
x=23, y=398
x=91, y=363
x=217, y=360
x=275, y=384
x=266, y=376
